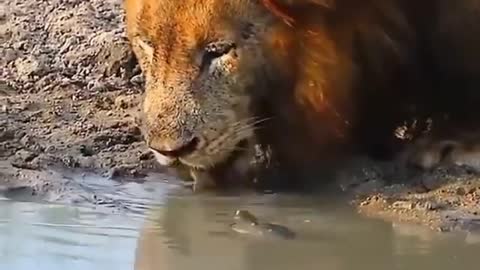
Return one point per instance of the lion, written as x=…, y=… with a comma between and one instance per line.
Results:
x=277, y=92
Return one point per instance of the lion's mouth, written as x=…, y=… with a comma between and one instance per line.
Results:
x=194, y=159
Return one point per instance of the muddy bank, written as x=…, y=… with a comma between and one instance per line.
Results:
x=443, y=199
x=69, y=96
x=70, y=92
x=69, y=88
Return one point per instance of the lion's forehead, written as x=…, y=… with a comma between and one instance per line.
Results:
x=192, y=20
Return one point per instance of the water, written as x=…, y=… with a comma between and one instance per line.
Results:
x=172, y=231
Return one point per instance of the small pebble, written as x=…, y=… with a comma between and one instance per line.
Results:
x=137, y=79
x=403, y=205
x=460, y=191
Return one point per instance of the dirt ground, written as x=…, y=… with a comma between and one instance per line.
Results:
x=69, y=96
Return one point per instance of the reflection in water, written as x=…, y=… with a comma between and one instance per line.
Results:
x=198, y=231
x=192, y=232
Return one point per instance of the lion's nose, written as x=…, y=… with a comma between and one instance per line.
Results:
x=175, y=149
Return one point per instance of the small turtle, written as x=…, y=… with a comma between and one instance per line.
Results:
x=247, y=223
x=244, y=215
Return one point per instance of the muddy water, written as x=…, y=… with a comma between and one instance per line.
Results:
x=168, y=230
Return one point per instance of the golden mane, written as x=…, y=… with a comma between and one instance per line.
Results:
x=315, y=46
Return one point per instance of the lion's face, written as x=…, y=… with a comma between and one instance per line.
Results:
x=202, y=61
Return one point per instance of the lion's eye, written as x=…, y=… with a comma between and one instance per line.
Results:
x=215, y=50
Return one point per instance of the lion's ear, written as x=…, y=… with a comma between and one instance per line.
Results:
x=286, y=9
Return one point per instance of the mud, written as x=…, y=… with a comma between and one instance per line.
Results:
x=69, y=96
x=446, y=198
x=70, y=92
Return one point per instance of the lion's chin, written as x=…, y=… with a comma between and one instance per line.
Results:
x=234, y=170
x=204, y=161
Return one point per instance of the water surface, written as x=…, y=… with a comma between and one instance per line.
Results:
x=163, y=230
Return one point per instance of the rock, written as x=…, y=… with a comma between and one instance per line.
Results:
x=138, y=79
x=9, y=56
x=460, y=191
x=86, y=151
x=6, y=134
x=23, y=159
x=403, y=205
x=427, y=206
x=6, y=89
x=97, y=86
x=70, y=161
x=125, y=102
x=123, y=171
x=147, y=155
x=30, y=66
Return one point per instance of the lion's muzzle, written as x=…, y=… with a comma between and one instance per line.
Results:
x=167, y=150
